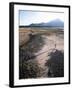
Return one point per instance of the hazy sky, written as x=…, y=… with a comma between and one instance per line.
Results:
x=28, y=17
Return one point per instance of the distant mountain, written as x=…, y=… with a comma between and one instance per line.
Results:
x=53, y=23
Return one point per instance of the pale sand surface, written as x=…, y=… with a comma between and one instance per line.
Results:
x=47, y=48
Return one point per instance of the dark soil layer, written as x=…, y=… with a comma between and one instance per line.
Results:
x=28, y=67
x=56, y=64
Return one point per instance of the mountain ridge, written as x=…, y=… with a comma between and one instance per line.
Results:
x=53, y=23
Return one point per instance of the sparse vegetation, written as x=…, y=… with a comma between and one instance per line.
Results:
x=25, y=55
x=32, y=43
x=56, y=64
x=29, y=69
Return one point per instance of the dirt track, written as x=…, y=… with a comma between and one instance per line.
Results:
x=51, y=43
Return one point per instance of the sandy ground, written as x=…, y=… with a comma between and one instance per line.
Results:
x=51, y=43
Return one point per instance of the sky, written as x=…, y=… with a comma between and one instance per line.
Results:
x=29, y=17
